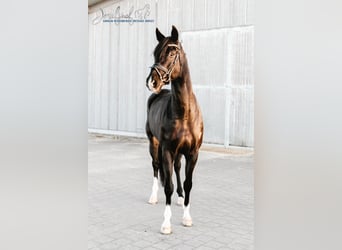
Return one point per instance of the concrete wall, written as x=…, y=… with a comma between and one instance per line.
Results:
x=217, y=36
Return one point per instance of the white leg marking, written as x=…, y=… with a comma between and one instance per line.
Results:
x=187, y=221
x=154, y=195
x=166, y=226
x=180, y=201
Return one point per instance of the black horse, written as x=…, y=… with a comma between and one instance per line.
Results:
x=174, y=124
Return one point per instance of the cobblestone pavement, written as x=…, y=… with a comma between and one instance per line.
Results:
x=120, y=181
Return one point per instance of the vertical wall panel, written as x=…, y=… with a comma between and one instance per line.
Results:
x=212, y=103
x=91, y=81
x=162, y=16
x=241, y=56
x=241, y=82
x=174, y=13
x=104, y=91
x=114, y=77
x=199, y=21
x=212, y=18
x=144, y=58
x=241, y=117
x=207, y=65
x=223, y=70
x=97, y=76
x=217, y=37
x=188, y=15
x=250, y=11
x=123, y=72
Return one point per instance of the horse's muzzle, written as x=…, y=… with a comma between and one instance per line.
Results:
x=153, y=85
x=150, y=82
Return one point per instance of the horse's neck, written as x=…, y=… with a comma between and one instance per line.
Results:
x=181, y=96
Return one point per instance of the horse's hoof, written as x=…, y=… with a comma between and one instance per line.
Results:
x=180, y=201
x=165, y=230
x=187, y=222
x=153, y=200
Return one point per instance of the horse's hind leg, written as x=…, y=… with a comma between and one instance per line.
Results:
x=189, y=168
x=154, y=145
x=177, y=166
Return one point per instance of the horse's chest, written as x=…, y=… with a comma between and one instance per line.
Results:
x=183, y=137
x=183, y=134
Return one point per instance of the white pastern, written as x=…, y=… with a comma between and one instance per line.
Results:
x=187, y=221
x=180, y=201
x=166, y=226
x=154, y=195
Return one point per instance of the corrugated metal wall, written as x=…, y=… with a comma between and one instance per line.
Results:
x=217, y=36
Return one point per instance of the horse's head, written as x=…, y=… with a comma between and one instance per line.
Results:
x=167, y=66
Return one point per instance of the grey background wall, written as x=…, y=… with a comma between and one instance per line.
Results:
x=217, y=37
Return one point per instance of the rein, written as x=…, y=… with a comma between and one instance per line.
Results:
x=158, y=67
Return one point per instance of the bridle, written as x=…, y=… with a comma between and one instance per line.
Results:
x=166, y=78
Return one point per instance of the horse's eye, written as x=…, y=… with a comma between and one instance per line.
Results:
x=171, y=54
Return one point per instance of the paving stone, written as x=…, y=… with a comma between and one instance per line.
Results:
x=120, y=181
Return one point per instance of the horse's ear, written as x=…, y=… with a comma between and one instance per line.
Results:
x=159, y=35
x=174, y=34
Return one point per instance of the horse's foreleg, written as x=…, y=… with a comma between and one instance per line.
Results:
x=168, y=189
x=177, y=166
x=155, y=164
x=189, y=168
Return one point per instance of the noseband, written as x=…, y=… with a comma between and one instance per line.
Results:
x=166, y=78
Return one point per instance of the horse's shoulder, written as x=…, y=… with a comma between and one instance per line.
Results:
x=153, y=97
